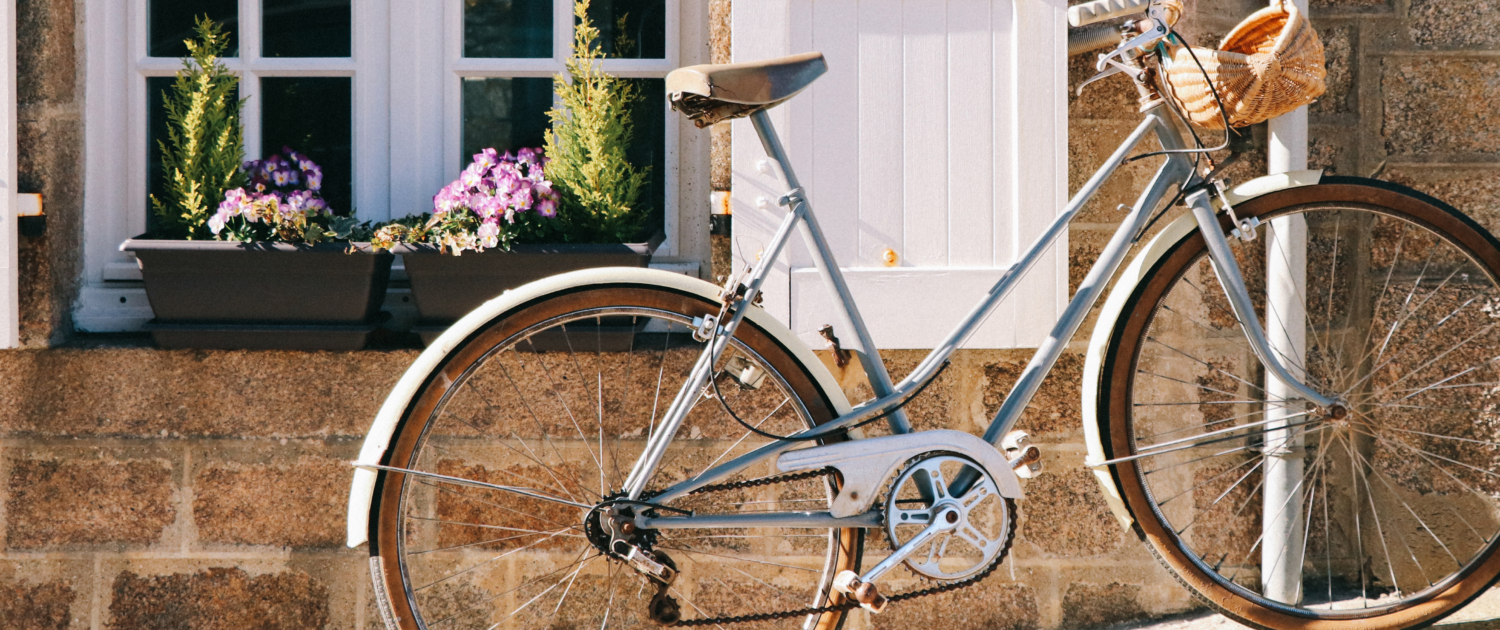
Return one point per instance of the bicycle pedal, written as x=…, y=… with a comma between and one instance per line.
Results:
x=1024, y=456
x=868, y=596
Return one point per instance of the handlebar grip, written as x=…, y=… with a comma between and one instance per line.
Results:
x=1100, y=10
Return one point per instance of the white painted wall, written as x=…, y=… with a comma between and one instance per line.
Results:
x=939, y=132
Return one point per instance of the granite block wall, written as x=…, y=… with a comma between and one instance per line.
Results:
x=142, y=488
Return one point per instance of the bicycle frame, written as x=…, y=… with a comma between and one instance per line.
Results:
x=1175, y=173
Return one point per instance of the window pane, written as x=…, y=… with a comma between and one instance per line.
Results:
x=173, y=21
x=312, y=116
x=649, y=147
x=156, y=133
x=306, y=28
x=508, y=28
x=506, y=114
x=635, y=29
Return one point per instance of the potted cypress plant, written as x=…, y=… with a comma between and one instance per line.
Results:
x=574, y=204
x=248, y=255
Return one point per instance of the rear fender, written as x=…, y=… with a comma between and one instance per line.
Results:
x=383, y=429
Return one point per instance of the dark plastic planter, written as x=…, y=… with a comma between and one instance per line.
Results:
x=447, y=287
x=214, y=294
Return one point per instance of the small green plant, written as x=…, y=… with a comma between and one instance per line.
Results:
x=600, y=190
x=201, y=154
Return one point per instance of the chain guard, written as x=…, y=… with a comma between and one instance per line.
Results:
x=847, y=605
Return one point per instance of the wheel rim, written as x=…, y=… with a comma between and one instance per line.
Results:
x=578, y=406
x=1398, y=501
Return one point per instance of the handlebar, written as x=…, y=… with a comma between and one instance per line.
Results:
x=1168, y=11
x=1101, y=10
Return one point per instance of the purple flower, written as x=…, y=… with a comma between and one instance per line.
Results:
x=471, y=177
x=313, y=177
x=489, y=234
x=281, y=177
x=547, y=207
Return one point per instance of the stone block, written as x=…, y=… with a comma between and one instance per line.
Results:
x=145, y=392
x=298, y=504
x=1107, y=99
x=43, y=606
x=49, y=152
x=942, y=404
x=1055, y=411
x=721, y=145
x=988, y=605
x=46, y=59
x=1440, y=107
x=719, y=34
x=1338, y=53
x=1321, y=7
x=72, y=502
x=1065, y=515
x=1454, y=24
x=218, y=598
x=1475, y=191
x=1090, y=143
x=1094, y=605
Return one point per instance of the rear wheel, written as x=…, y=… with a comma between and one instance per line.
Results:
x=1388, y=512
x=557, y=398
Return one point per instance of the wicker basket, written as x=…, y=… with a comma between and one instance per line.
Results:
x=1271, y=64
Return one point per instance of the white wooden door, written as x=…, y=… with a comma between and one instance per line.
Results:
x=939, y=135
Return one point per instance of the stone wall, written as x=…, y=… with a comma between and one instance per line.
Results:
x=151, y=489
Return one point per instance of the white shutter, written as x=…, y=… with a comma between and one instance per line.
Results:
x=940, y=133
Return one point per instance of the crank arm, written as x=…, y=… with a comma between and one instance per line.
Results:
x=862, y=587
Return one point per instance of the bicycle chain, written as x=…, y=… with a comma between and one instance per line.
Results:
x=850, y=604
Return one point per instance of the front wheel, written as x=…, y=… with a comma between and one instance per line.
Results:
x=1383, y=513
x=557, y=398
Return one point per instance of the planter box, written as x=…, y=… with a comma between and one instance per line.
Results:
x=446, y=287
x=215, y=294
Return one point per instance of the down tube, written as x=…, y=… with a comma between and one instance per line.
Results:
x=1176, y=171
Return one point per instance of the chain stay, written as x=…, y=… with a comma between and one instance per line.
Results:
x=847, y=605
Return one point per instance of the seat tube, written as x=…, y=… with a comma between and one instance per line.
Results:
x=828, y=269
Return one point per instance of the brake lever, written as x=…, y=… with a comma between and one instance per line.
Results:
x=1112, y=63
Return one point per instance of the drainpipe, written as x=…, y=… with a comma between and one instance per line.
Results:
x=1286, y=326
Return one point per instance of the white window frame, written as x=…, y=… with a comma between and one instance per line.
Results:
x=406, y=64
x=118, y=65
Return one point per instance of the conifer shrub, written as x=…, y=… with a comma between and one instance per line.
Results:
x=599, y=189
x=204, y=145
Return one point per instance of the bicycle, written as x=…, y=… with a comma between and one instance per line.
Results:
x=609, y=448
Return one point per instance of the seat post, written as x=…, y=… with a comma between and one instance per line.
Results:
x=828, y=268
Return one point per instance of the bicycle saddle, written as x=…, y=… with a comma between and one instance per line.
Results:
x=710, y=93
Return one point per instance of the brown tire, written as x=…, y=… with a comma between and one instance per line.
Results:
x=1395, y=500
x=600, y=362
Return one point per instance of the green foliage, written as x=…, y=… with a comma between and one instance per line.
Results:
x=600, y=189
x=204, y=145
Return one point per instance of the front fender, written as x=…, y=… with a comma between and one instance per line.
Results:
x=1094, y=428
x=378, y=439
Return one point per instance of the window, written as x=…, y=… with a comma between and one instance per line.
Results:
x=390, y=96
x=510, y=50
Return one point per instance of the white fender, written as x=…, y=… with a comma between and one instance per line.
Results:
x=1109, y=315
x=362, y=491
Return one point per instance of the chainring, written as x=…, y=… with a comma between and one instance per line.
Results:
x=985, y=525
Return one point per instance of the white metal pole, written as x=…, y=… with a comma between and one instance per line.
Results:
x=1286, y=326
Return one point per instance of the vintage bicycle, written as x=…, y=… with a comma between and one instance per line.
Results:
x=1291, y=396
